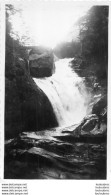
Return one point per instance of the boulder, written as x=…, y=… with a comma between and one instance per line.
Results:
x=41, y=62
x=100, y=107
x=92, y=125
x=27, y=108
x=86, y=125
x=89, y=125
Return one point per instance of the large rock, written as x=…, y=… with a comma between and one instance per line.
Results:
x=26, y=107
x=41, y=62
x=89, y=127
x=100, y=107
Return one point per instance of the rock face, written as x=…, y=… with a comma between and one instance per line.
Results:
x=26, y=107
x=41, y=62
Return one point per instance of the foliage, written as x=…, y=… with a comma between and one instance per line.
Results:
x=14, y=48
x=93, y=37
x=94, y=32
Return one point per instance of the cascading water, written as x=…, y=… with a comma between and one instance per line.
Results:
x=66, y=92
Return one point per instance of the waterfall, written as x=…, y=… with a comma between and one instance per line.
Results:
x=66, y=92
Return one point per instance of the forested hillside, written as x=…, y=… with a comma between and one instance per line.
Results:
x=91, y=48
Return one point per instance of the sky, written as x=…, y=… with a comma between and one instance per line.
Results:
x=47, y=23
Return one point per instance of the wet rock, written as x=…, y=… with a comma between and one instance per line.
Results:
x=89, y=125
x=41, y=62
x=99, y=131
x=86, y=125
x=100, y=106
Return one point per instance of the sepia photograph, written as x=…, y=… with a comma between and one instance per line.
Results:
x=56, y=86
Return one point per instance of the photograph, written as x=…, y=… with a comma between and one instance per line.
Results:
x=56, y=90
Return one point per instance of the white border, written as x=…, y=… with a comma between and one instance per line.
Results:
x=72, y=187
x=2, y=86
x=109, y=101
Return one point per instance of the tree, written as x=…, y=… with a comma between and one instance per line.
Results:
x=94, y=32
x=14, y=48
x=93, y=37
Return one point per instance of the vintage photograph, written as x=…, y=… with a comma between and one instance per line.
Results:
x=56, y=81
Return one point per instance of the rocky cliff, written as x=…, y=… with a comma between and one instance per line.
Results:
x=26, y=106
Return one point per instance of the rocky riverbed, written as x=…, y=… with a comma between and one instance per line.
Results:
x=75, y=152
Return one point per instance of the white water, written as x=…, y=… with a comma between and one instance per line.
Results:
x=66, y=92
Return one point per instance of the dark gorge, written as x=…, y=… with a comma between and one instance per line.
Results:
x=47, y=138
